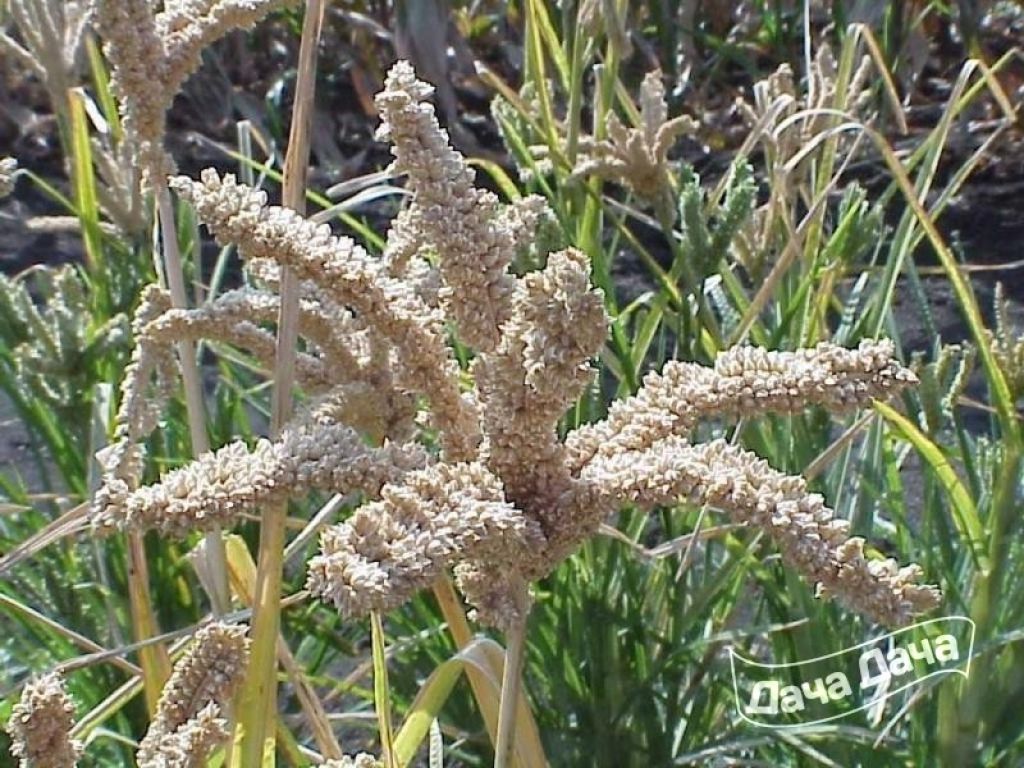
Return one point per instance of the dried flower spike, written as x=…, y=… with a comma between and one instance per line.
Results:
x=539, y=370
x=191, y=744
x=789, y=120
x=218, y=487
x=638, y=157
x=40, y=725
x=392, y=548
x=239, y=215
x=527, y=499
x=459, y=221
x=343, y=360
x=521, y=499
x=154, y=52
x=186, y=726
x=744, y=486
x=744, y=380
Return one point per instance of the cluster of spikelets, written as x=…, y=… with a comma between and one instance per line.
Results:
x=789, y=120
x=52, y=34
x=506, y=499
x=189, y=724
x=40, y=725
x=637, y=158
x=186, y=728
x=154, y=48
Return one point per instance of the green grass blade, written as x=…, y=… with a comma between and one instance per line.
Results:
x=86, y=202
x=965, y=513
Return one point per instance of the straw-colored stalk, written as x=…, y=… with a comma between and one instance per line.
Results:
x=154, y=659
x=175, y=277
x=243, y=582
x=458, y=626
x=259, y=696
x=511, y=681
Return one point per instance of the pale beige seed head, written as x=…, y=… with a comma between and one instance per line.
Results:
x=743, y=381
x=153, y=52
x=424, y=364
x=459, y=221
x=522, y=218
x=219, y=487
x=208, y=674
x=744, y=486
x=8, y=166
x=434, y=519
x=789, y=118
x=541, y=367
x=137, y=55
x=342, y=361
x=638, y=157
x=40, y=725
x=190, y=745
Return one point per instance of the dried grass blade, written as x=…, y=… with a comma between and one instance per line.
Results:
x=154, y=659
x=73, y=521
x=68, y=634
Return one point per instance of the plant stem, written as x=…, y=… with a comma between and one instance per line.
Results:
x=259, y=695
x=382, y=692
x=175, y=277
x=511, y=680
x=154, y=659
x=458, y=628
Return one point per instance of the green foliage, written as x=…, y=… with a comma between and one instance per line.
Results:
x=56, y=354
x=707, y=234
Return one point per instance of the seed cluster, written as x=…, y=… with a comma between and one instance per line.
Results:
x=508, y=495
x=187, y=725
x=40, y=725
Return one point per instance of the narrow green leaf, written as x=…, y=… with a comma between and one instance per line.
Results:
x=86, y=202
x=965, y=513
